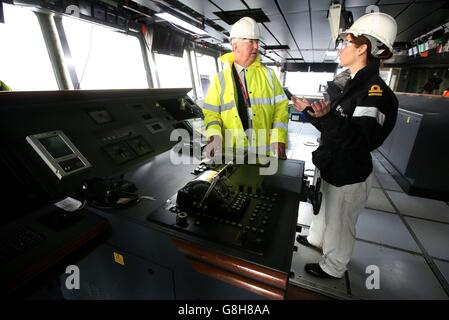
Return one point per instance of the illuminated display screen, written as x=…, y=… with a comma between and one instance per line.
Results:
x=56, y=146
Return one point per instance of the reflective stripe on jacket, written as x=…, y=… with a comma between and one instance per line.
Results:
x=268, y=105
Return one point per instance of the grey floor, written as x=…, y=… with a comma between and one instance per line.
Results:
x=405, y=238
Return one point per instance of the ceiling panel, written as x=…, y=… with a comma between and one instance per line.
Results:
x=321, y=30
x=308, y=56
x=197, y=5
x=271, y=55
x=393, y=10
x=268, y=6
x=359, y=3
x=382, y=2
x=318, y=56
x=291, y=7
x=278, y=27
x=227, y=5
x=319, y=5
x=420, y=17
x=414, y=14
x=209, y=8
x=300, y=26
x=284, y=54
x=431, y=22
x=268, y=39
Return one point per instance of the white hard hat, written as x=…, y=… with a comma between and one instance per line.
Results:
x=245, y=28
x=377, y=27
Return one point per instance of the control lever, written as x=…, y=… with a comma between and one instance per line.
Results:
x=214, y=182
x=209, y=190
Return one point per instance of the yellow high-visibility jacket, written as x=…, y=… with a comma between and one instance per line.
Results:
x=268, y=102
x=4, y=87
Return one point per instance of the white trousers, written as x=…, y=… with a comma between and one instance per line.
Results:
x=333, y=229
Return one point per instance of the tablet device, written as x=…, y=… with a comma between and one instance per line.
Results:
x=288, y=93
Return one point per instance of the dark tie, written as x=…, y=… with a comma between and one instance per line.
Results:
x=241, y=107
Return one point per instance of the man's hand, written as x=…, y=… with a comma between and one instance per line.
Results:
x=278, y=150
x=213, y=146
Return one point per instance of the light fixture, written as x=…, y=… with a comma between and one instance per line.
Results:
x=227, y=45
x=331, y=55
x=180, y=23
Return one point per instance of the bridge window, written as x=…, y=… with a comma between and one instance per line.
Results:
x=104, y=58
x=307, y=83
x=207, y=69
x=24, y=60
x=173, y=72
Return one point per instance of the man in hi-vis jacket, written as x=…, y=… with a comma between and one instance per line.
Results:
x=246, y=106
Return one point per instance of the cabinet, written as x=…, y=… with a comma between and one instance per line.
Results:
x=417, y=147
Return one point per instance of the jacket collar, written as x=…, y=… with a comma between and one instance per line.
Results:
x=228, y=60
x=360, y=79
x=370, y=70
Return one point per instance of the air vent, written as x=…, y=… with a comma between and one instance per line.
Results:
x=231, y=17
x=276, y=47
x=294, y=59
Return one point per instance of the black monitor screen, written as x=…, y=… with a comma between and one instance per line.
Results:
x=161, y=40
x=177, y=44
x=166, y=41
x=56, y=146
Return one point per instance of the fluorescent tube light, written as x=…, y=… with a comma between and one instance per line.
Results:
x=331, y=55
x=180, y=23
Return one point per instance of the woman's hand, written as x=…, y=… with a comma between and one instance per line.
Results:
x=320, y=108
x=316, y=109
x=300, y=104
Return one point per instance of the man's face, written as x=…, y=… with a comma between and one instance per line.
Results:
x=245, y=51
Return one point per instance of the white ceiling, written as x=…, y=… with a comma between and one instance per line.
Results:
x=310, y=33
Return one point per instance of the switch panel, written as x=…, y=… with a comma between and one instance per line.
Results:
x=120, y=152
x=140, y=146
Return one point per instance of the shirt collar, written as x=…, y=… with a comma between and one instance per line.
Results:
x=238, y=67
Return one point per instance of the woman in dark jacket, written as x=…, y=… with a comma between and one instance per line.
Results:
x=355, y=122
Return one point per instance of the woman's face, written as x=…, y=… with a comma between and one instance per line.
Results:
x=347, y=52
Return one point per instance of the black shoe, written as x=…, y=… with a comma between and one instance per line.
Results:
x=303, y=240
x=315, y=270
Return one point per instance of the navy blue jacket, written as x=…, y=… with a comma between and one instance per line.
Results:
x=360, y=120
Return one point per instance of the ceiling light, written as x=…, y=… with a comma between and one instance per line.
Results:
x=227, y=45
x=180, y=23
x=331, y=55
